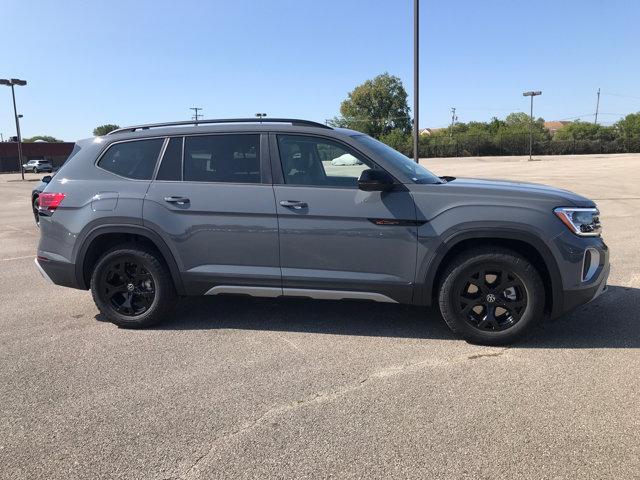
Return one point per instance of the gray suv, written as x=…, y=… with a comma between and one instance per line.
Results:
x=294, y=208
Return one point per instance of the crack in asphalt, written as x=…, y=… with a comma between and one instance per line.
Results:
x=482, y=355
x=324, y=397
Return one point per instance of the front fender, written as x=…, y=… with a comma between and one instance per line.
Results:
x=431, y=263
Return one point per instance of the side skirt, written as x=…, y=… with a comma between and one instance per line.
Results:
x=299, y=292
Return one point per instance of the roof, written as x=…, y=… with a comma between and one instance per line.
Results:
x=554, y=125
x=429, y=131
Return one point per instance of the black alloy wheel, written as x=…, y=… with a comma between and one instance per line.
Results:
x=491, y=299
x=132, y=286
x=491, y=296
x=128, y=286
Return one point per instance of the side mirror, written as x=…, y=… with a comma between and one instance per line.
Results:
x=46, y=178
x=375, y=181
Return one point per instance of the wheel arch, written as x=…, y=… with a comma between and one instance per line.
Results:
x=526, y=244
x=104, y=237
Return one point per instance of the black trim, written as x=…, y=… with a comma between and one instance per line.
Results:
x=396, y=222
x=127, y=229
x=60, y=273
x=293, y=121
x=430, y=266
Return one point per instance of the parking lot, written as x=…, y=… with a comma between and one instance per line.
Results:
x=263, y=388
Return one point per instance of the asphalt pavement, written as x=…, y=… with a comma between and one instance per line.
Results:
x=243, y=388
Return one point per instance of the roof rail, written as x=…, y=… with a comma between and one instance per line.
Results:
x=292, y=121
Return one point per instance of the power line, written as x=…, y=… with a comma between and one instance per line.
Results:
x=620, y=95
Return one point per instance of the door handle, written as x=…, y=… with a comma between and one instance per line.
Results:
x=295, y=204
x=178, y=200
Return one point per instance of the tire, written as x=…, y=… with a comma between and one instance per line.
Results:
x=132, y=287
x=491, y=296
x=35, y=205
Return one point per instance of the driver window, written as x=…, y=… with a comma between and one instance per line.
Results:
x=319, y=162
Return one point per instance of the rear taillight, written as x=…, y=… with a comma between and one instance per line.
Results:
x=50, y=201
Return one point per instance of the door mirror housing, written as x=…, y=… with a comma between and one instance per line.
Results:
x=46, y=178
x=375, y=181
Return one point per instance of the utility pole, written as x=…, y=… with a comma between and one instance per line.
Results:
x=12, y=83
x=595, y=121
x=196, y=115
x=531, y=94
x=454, y=119
x=416, y=79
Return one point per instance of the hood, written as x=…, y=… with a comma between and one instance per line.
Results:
x=520, y=189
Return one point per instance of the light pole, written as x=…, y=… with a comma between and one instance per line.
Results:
x=416, y=78
x=531, y=94
x=261, y=116
x=11, y=83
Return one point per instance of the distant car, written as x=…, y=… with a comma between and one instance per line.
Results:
x=35, y=196
x=37, y=166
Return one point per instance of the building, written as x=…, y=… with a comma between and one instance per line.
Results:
x=555, y=125
x=429, y=131
x=56, y=152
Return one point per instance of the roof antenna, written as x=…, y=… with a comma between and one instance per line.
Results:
x=261, y=116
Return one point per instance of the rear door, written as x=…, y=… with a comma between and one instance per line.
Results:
x=333, y=236
x=213, y=203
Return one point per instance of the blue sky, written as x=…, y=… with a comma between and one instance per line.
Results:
x=127, y=62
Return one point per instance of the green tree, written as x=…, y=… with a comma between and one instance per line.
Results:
x=629, y=126
x=104, y=129
x=376, y=107
x=398, y=140
x=46, y=138
x=518, y=123
x=579, y=130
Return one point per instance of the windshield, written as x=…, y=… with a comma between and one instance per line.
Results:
x=416, y=172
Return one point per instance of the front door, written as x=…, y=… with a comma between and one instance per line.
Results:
x=335, y=237
x=213, y=203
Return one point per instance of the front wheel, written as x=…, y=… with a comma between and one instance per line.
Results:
x=491, y=297
x=132, y=287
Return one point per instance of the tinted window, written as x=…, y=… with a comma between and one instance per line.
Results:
x=171, y=166
x=222, y=158
x=320, y=162
x=135, y=159
x=415, y=171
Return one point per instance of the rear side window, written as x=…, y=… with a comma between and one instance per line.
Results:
x=171, y=166
x=222, y=158
x=135, y=159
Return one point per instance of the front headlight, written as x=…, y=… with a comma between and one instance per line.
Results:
x=581, y=221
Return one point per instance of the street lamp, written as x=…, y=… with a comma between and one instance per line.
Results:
x=11, y=83
x=531, y=94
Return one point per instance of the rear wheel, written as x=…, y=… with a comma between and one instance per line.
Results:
x=132, y=287
x=491, y=297
x=36, y=205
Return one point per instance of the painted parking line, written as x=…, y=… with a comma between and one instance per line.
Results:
x=16, y=258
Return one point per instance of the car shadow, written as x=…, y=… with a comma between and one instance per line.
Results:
x=308, y=316
x=610, y=321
